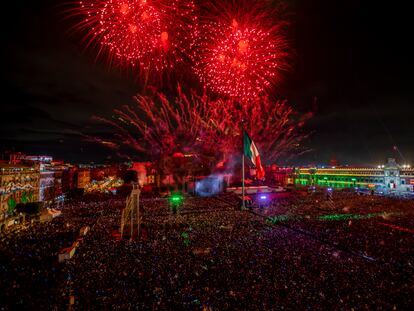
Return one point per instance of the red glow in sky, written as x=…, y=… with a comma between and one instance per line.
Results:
x=148, y=34
x=241, y=55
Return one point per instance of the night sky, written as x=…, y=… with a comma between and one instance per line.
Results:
x=353, y=57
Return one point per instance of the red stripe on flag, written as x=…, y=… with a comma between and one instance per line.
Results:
x=259, y=168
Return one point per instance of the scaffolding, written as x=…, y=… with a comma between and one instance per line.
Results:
x=131, y=214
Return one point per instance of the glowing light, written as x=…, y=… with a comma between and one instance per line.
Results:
x=154, y=126
x=176, y=199
x=242, y=52
x=348, y=216
x=133, y=33
x=124, y=8
x=397, y=227
x=164, y=36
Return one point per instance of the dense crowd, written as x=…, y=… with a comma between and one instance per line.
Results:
x=31, y=277
x=346, y=218
x=285, y=254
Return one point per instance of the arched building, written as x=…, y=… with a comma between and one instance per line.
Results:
x=390, y=177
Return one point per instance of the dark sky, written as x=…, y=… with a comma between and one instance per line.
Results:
x=354, y=57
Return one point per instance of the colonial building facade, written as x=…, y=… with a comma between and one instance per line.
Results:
x=18, y=184
x=50, y=186
x=388, y=178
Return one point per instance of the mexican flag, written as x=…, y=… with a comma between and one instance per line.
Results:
x=251, y=152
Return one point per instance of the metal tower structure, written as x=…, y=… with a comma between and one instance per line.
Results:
x=131, y=214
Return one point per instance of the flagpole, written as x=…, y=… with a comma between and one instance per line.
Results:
x=243, y=203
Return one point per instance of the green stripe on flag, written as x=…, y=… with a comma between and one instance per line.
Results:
x=247, y=142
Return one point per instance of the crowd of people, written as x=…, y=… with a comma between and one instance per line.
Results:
x=345, y=219
x=211, y=255
x=31, y=277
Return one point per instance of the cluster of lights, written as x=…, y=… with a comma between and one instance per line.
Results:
x=403, y=166
x=263, y=197
x=148, y=34
x=349, y=216
x=176, y=199
x=237, y=51
x=332, y=217
x=240, y=59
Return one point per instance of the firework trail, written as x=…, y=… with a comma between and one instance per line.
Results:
x=274, y=125
x=158, y=126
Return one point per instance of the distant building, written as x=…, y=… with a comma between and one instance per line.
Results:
x=281, y=176
x=388, y=178
x=51, y=187
x=46, y=183
x=50, y=174
x=68, y=178
x=20, y=157
x=19, y=183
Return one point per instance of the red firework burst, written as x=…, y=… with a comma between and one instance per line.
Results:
x=149, y=34
x=243, y=51
x=159, y=126
x=274, y=125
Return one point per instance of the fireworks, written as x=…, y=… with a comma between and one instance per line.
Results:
x=242, y=52
x=274, y=126
x=160, y=127
x=152, y=35
x=198, y=125
x=238, y=51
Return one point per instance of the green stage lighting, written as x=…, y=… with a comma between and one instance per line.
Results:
x=176, y=198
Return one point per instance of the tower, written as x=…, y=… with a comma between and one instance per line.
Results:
x=392, y=178
x=131, y=214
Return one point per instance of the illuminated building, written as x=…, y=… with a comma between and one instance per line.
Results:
x=50, y=174
x=19, y=183
x=68, y=179
x=82, y=177
x=50, y=181
x=391, y=177
x=19, y=157
x=279, y=175
x=46, y=183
